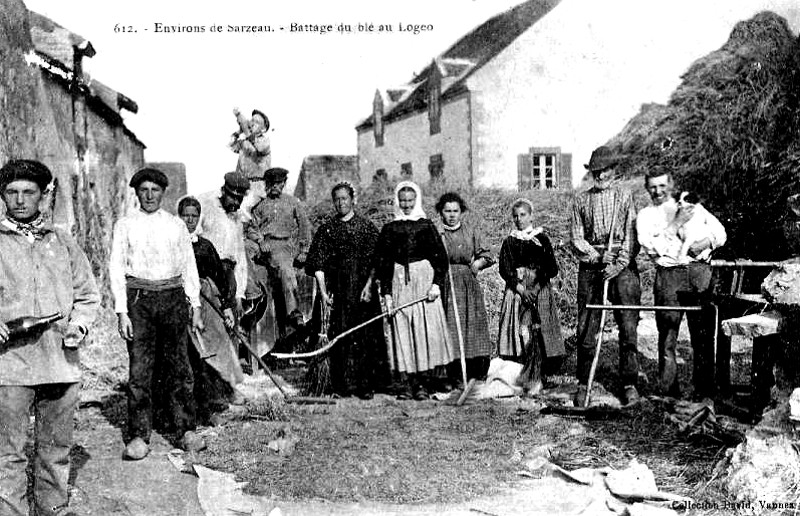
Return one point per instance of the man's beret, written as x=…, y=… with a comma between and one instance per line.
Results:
x=149, y=174
x=275, y=175
x=25, y=169
x=236, y=184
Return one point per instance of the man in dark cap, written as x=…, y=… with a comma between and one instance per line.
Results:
x=279, y=235
x=606, y=258
x=42, y=272
x=152, y=271
x=222, y=225
x=28, y=170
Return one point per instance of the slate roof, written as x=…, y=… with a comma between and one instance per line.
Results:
x=465, y=57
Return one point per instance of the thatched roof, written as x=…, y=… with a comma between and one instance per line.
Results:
x=726, y=129
x=463, y=58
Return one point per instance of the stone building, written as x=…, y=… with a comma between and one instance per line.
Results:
x=457, y=120
x=319, y=173
x=53, y=112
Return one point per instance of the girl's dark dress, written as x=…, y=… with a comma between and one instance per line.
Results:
x=532, y=263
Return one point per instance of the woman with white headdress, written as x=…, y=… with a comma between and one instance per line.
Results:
x=411, y=262
x=530, y=328
x=215, y=377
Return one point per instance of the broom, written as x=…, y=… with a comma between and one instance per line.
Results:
x=324, y=348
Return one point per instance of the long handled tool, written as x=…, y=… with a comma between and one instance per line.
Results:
x=236, y=333
x=597, y=348
x=344, y=334
x=459, y=331
x=243, y=342
x=602, y=316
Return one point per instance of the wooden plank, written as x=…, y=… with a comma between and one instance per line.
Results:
x=753, y=325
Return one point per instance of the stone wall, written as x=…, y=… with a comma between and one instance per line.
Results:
x=85, y=144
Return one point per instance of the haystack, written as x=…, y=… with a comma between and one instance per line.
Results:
x=729, y=133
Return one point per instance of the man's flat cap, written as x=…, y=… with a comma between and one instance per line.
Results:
x=236, y=184
x=149, y=174
x=275, y=175
x=25, y=169
x=602, y=158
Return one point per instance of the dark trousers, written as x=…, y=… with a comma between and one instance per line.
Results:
x=685, y=285
x=53, y=407
x=158, y=354
x=624, y=289
x=274, y=273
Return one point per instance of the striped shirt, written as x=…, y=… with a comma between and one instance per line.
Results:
x=592, y=214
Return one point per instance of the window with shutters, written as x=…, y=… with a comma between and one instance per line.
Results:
x=544, y=168
x=436, y=167
x=542, y=173
x=380, y=176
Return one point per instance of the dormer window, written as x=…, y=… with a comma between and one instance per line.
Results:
x=377, y=118
x=434, y=98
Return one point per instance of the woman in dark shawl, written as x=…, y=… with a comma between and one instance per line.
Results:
x=340, y=258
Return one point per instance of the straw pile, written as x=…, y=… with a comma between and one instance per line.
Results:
x=730, y=134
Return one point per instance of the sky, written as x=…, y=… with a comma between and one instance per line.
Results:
x=316, y=87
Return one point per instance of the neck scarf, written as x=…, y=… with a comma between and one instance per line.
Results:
x=416, y=213
x=528, y=233
x=452, y=228
x=33, y=230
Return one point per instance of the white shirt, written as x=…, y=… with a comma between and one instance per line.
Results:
x=256, y=192
x=225, y=231
x=152, y=246
x=660, y=244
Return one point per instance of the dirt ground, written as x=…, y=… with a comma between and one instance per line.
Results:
x=470, y=469
x=105, y=485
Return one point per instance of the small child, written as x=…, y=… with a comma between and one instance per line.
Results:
x=246, y=124
x=251, y=142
